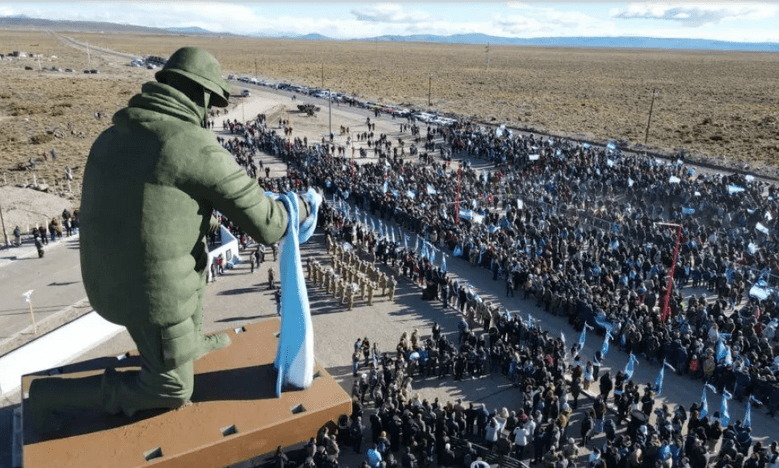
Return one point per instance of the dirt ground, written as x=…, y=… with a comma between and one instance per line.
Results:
x=721, y=106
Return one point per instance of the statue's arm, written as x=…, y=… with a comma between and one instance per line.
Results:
x=215, y=179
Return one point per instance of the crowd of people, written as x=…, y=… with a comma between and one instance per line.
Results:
x=411, y=432
x=575, y=227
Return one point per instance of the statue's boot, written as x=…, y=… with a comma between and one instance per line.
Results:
x=52, y=400
x=207, y=343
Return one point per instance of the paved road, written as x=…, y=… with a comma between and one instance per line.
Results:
x=55, y=280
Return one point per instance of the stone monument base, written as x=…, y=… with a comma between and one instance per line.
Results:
x=234, y=415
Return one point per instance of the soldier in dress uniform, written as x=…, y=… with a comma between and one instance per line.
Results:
x=371, y=286
x=392, y=285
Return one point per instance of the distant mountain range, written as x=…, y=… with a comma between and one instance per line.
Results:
x=22, y=22
x=598, y=42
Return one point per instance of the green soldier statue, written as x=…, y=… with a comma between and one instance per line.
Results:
x=363, y=282
x=158, y=173
x=383, y=283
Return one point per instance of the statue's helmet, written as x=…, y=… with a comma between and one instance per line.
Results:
x=201, y=67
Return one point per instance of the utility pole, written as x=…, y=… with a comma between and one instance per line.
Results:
x=666, y=310
x=329, y=112
x=429, y=89
x=255, y=70
x=323, y=76
x=89, y=58
x=651, y=106
x=457, y=200
x=487, y=55
x=5, y=234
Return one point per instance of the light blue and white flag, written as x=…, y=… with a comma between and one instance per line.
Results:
x=704, y=401
x=629, y=367
x=565, y=350
x=529, y=321
x=405, y=241
x=373, y=226
x=431, y=253
x=604, y=349
x=583, y=335
x=416, y=245
x=748, y=411
x=424, y=250
x=735, y=189
x=443, y=263
x=660, y=376
x=723, y=412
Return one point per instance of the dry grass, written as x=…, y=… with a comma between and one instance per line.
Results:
x=722, y=105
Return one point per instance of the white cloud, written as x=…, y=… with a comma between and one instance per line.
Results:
x=389, y=13
x=548, y=21
x=696, y=14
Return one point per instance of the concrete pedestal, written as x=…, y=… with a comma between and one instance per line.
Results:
x=235, y=414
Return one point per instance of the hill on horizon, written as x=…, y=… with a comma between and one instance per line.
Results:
x=620, y=42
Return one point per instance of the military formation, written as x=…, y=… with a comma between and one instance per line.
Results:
x=348, y=276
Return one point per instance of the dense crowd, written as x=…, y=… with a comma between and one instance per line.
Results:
x=410, y=432
x=573, y=226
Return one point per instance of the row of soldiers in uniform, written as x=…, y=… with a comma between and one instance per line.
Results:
x=344, y=281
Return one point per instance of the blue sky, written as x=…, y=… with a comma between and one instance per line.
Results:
x=724, y=20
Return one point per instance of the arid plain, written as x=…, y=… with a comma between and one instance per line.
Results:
x=721, y=106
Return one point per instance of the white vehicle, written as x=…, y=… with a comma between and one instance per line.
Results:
x=246, y=93
x=425, y=117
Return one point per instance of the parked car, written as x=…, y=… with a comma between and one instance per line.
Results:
x=246, y=93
